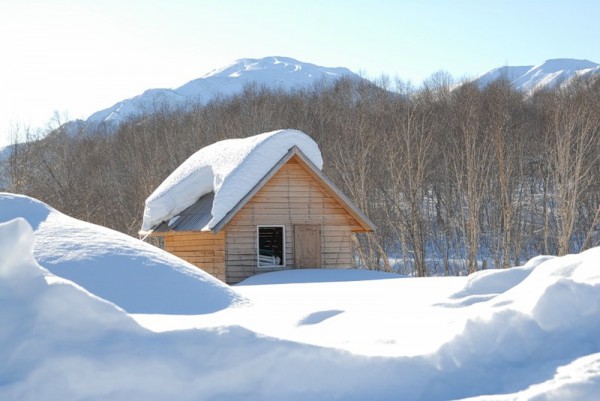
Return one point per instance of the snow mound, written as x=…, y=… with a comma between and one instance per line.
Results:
x=530, y=332
x=134, y=275
x=487, y=284
x=229, y=168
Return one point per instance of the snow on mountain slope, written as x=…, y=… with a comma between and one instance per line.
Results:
x=134, y=275
x=509, y=72
x=273, y=72
x=544, y=76
x=5, y=152
x=287, y=73
x=149, y=101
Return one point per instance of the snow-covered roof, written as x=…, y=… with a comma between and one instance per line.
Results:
x=229, y=168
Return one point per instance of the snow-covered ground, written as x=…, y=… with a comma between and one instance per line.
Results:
x=527, y=333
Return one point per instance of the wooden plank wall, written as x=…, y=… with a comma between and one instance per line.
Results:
x=202, y=249
x=291, y=197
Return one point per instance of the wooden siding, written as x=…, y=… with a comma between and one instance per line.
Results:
x=202, y=249
x=292, y=196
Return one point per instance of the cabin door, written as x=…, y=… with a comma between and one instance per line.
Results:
x=307, y=246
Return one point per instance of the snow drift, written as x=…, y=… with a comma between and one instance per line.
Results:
x=531, y=333
x=229, y=168
x=59, y=342
x=135, y=275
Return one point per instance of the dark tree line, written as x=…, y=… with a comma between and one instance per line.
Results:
x=456, y=179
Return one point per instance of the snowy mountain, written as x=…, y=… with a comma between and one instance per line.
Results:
x=547, y=75
x=272, y=72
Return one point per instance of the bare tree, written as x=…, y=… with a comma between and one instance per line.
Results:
x=572, y=125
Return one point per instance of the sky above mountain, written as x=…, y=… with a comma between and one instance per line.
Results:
x=77, y=57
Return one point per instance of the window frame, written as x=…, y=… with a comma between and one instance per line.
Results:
x=283, y=261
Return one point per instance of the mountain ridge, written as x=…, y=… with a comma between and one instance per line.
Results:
x=277, y=72
x=274, y=72
x=547, y=75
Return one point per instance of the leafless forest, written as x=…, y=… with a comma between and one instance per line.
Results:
x=455, y=178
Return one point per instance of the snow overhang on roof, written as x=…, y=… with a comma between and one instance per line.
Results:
x=229, y=168
x=316, y=173
x=193, y=218
x=197, y=216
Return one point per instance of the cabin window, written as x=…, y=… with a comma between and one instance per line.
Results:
x=271, y=246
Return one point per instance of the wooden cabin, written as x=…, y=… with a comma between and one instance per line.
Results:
x=293, y=218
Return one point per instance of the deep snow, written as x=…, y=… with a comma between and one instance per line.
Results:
x=229, y=168
x=133, y=274
x=530, y=333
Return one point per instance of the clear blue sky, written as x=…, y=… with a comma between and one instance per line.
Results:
x=79, y=56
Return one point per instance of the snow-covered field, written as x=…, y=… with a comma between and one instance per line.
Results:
x=88, y=313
